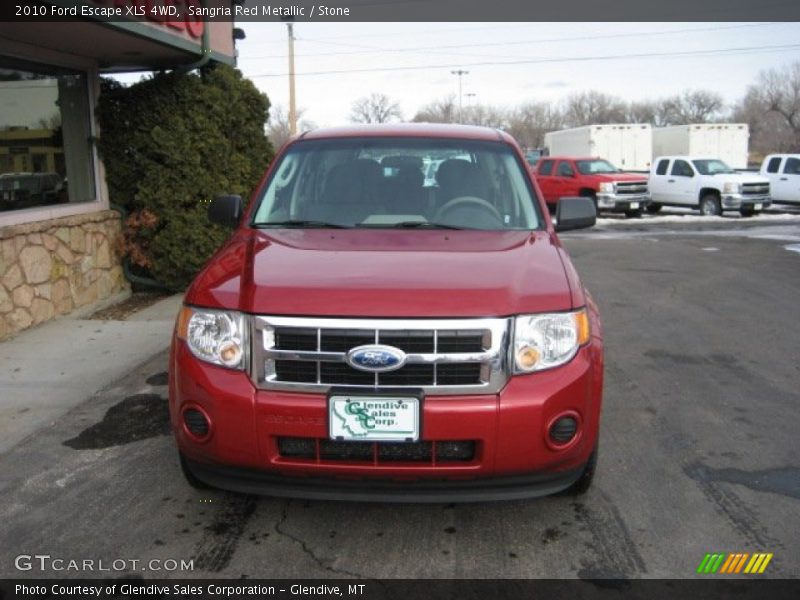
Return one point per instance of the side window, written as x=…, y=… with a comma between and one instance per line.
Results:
x=774, y=164
x=682, y=169
x=565, y=169
x=792, y=166
x=661, y=169
x=546, y=167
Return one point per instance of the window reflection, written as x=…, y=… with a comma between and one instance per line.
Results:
x=45, y=137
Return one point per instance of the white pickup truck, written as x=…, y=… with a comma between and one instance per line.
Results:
x=705, y=183
x=783, y=172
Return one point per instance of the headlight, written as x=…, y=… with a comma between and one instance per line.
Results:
x=548, y=340
x=731, y=188
x=215, y=336
x=606, y=187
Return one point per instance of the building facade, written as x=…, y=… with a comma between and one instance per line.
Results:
x=58, y=236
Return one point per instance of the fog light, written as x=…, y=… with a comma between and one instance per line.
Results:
x=563, y=430
x=196, y=422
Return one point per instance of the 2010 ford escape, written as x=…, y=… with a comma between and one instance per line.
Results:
x=367, y=334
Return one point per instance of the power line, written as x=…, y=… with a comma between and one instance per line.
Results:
x=437, y=31
x=740, y=50
x=367, y=49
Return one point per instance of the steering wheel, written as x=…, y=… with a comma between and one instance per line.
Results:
x=464, y=202
x=287, y=172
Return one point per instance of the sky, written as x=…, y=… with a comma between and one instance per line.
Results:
x=337, y=63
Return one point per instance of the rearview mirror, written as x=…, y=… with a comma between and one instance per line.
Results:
x=575, y=213
x=225, y=210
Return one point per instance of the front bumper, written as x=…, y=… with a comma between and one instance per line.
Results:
x=252, y=481
x=513, y=457
x=622, y=203
x=739, y=201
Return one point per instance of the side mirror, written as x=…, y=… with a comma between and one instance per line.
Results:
x=225, y=210
x=575, y=213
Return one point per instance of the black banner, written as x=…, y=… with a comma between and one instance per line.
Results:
x=400, y=10
x=743, y=588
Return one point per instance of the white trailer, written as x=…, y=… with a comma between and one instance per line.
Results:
x=728, y=141
x=628, y=146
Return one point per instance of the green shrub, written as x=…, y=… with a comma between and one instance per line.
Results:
x=172, y=142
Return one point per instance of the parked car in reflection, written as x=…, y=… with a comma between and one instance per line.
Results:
x=24, y=190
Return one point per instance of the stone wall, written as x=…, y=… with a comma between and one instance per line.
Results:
x=50, y=268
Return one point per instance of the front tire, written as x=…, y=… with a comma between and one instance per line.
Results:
x=584, y=482
x=190, y=477
x=710, y=205
x=634, y=214
x=748, y=212
x=653, y=208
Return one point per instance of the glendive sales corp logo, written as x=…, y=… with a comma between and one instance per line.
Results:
x=734, y=563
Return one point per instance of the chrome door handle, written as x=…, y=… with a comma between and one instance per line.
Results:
x=670, y=181
x=784, y=179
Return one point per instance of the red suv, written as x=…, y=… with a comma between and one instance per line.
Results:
x=608, y=187
x=365, y=335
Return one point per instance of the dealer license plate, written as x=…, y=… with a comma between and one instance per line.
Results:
x=634, y=205
x=373, y=418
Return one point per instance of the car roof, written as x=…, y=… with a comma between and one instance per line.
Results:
x=689, y=157
x=435, y=130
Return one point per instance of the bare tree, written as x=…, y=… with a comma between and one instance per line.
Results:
x=655, y=112
x=768, y=128
x=587, y=108
x=52, y=122
x=529, y=122
x=779, y=90
x=278, y=125
x=693, y=106
x=375, y=108
x=443, y=110
x=485, y=115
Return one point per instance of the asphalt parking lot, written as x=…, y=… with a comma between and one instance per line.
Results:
x=699, y=448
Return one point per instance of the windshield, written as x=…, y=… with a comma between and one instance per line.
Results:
x=711, y=167
x=398, y=182
x=593, y=167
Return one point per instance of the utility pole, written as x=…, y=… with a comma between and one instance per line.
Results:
x=292, y=108
x=460, y=73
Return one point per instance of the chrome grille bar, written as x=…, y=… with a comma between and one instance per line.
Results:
x=489, y=363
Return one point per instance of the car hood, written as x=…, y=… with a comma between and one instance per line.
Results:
x=739, y=178
x=619, y=177
x=387, y=273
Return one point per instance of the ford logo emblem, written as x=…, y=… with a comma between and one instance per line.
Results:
x=375, y=358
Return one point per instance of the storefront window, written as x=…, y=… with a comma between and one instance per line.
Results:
x=45, y=137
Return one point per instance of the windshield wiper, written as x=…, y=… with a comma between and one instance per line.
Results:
x=300, y=224
x=412, y=225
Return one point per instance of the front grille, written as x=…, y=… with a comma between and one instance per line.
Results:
x=632, y=187
x=755, y=189
x=377, y=453
x=442, y=356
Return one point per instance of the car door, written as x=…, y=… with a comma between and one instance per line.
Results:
x=786, y=188
x=681, y=183
x=546, y=181
x=566, y=182
x=657, y=184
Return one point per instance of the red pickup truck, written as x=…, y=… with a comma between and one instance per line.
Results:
x=595, y=178
x=363, y=335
